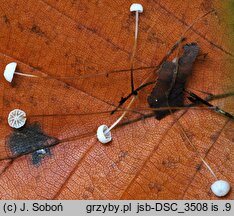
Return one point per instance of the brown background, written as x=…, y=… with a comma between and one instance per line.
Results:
x=146, y=160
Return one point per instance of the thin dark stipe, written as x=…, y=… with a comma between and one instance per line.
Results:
x=132, y=83
x=124, y=99
x=93, y=133
x=196, y=99
x=214, y=97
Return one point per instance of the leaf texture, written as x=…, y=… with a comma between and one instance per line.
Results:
x=67, y=44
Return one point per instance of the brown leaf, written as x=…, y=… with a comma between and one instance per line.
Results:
x=64, y=40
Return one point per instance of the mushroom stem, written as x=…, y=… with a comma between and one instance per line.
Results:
x=209, y=168
x=136, y=28
x=135, y=41
x=134, y=50
x=27, y=75
x=137, y=8
x=120, y=118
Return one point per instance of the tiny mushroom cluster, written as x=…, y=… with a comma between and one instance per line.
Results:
x=17, y=118
x=220, y=187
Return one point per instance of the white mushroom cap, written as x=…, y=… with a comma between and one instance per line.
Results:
x=17, y=118
x=220, y=188
x=9, y=71
x=102, y=136
x=136, y=7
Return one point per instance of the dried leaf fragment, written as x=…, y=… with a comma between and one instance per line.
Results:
x=166, y=93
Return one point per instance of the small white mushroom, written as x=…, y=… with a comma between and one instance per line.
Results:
x=9, y=72
x=137, y=8
x=220, y=188
x=17, y=118
x=104, y=134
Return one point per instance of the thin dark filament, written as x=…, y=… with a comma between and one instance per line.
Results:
x=132, y=66
x=186, y=136
x=215, y=97
x=136, y=110
x=211, y=96
x=196, y=98
x=190, y=143
x=10, y=162
x=124, y=99
x=124, y=123
x=175, y=73
x=107, y=73
x=80, y=114
x=144, y=84
x=14, y=157
x=103, y=73
x=168, y=108
x=177, y=44
x=93, y=133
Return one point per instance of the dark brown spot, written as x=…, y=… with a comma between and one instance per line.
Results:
x=170, y=163
x=82, y=27
x=77, y=62
x=37, y=30
x=66, y=86
x=154, y=187
x=21, y=27
x=145, y=27
x=227, y=158
x=126, y=25
x=85, y=196
x=153, y=38
x=198, y=166
x=207, y=5
x=32, y=100
x=214, y=136
x=6, y=19
x=90, y=68
x=202, y=57
x=6, y=102
x=35, y=68
x=73, y=2
x=190, y=134
x=90, y=189
x=53, y=100
x=122, y=155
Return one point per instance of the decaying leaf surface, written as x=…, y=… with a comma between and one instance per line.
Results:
x=148, y=159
